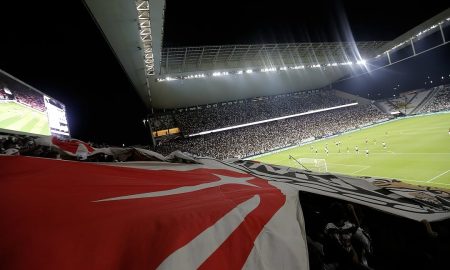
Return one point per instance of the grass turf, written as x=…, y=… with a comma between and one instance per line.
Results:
x=18, y=117
x=417, y=152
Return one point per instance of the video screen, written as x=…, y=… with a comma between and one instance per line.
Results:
x=24, y=109
x=56, y=113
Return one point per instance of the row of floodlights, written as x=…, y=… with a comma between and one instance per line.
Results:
x=248, y=71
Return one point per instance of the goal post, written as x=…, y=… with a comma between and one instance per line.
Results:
x=312, y=164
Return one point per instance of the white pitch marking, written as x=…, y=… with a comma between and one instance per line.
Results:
x=438, y=176
x=366, y=167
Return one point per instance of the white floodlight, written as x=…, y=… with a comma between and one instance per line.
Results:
x=240, y=72
x=283, y=68
x=361, y=62
x=249, y=71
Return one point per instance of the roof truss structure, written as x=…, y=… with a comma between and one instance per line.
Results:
x=192, y=59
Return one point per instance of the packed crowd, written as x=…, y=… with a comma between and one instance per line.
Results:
x=29, y=98
x=244, y=111
x=252, y=110
x=440, y=102
x=265, y=137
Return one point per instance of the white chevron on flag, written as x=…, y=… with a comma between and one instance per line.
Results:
x=223, y=180
x=192, y=255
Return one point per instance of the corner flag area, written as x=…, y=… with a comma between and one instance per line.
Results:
x=14, y=116
x=416, y=150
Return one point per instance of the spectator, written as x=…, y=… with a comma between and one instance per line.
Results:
x=346, y=245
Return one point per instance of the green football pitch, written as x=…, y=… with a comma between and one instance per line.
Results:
x=417, y=151
x=18, y=117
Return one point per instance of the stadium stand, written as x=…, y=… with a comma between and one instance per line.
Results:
x=404, y=101
x=257, y=139
x=418, y=99
x=232, y=113
x=162, y=121
x=440, y=100
x=29, y=98
x=424, y=102
x=407, y=103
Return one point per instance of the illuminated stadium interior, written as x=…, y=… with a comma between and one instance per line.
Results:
x=204, y=99
x=313, y=153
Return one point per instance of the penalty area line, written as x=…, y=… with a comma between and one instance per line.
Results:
x=365, y=168
x=437, y=176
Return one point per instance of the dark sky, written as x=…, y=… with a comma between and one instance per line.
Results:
x=56, y=47
x=239, y=21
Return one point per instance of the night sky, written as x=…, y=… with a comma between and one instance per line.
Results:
x=56, y=47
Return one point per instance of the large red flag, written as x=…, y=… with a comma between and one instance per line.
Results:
x=69, y=215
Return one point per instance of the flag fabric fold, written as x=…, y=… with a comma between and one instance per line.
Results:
x=175, y=212
x=59, y=214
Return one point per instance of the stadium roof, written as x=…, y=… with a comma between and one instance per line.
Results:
x=433, y=23
x=134, y=30
x=194, y=59
x=135, y=39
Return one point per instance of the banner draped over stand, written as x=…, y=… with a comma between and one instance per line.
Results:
x=175, y=212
